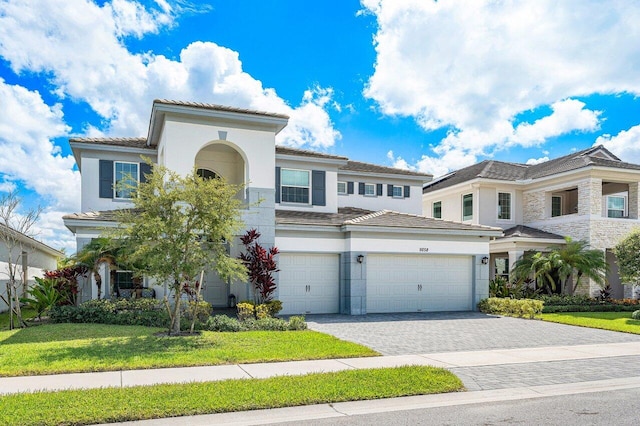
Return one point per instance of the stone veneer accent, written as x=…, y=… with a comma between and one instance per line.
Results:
x=634, y=207
x=534, y=206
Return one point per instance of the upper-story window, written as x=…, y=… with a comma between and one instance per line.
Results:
x=467, y=207
x=295, y=186
x=616, y=206
x=342, y=188
x=504, y=205
x=437, y=210
x=125, y=179
x=398, y=191
x=370, y=189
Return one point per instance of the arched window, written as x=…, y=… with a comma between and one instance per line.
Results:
x=206, y=174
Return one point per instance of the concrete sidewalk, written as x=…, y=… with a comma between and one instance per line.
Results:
x=450, y=360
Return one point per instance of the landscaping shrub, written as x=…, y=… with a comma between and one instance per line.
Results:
x=225, y=323
x=566, y=303
x=222, y=323
x=146, y=312
x=636, y=315
x=297, y=323
x=528, y=308
x=247, y=309
x=201, y=309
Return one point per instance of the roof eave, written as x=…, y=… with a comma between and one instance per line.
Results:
x=418, y=178
x=310, y=159
x=425, y=231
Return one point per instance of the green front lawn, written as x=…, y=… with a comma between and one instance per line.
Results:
x=614, y=321
x=67, y=348
x=81, y=407
x=4, y=317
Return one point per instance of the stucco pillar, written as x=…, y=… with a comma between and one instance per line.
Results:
x=514, y=256
x=353, y=284
x=634, y=200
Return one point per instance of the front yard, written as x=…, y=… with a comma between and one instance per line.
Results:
x=614, y=321
x=67, y=348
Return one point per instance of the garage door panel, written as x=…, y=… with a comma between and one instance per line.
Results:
x=410, y=283
x=309, y=283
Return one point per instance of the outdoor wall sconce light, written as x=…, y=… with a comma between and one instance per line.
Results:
x=360, y=258
x=485, y=260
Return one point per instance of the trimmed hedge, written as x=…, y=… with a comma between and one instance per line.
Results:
x=145, y=312
x=521, y=308
x=225, y=323
x=566, y=303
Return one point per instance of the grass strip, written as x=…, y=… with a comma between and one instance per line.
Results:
x=79, y=407
x=613, y=321
x=70, y=348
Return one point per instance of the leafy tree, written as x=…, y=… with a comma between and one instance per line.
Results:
x=569, y=263
x=178, y=227
x=261, y=265
x=627, y=254
x=15, y=230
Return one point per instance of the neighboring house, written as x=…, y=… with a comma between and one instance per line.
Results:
x=589, y=195
x=350, y=234
x=30, y=257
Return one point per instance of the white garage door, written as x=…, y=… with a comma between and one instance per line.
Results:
x=309, y=283
x=411, y=283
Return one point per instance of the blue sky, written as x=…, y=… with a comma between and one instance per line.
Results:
x=419, y=84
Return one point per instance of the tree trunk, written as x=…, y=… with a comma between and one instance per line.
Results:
x=175, y=320
x=98, y=278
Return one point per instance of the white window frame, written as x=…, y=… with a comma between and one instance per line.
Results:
x=433, y=209
x=401, y=188
x=624, y=209
x=115, y=178
x=345, y=188
x=308, y=172
x=510, y=219
x=373, y=190
x=467, y=218
x=561, y=205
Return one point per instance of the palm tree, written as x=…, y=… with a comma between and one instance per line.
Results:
x=98, y=251
x=570, y=263
x=575, y=260
x=537, y=266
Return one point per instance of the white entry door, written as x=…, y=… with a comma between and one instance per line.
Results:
x=309, y=283
x=215, y=289
x=419, y=283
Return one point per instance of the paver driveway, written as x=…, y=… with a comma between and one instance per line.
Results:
x=421, y=333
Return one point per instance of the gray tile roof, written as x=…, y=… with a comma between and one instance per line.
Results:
x=382, y=218
x=127, y=142
x=216, y=107
x=491, y=169
x=97, y=216
x=521, y=231
x=283, y=150
x=357, y=166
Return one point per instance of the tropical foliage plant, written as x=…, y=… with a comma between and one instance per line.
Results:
x=261, y=265
x=627, y=254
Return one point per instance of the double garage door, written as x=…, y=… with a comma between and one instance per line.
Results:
x=310, y=283
x=419, y=283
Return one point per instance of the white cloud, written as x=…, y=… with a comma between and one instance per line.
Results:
x=81, y=45
x=534, y=161
x=626, y=144
x=475, y=66
x=399, y=162
x=29, y=157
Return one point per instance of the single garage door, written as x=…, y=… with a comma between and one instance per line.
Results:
x=419, y=283
x=309, y=283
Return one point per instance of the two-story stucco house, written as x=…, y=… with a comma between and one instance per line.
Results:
x=589, y=195
x=351, y=235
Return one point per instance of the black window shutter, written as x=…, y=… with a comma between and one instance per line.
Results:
x=390, y=190
x=145, y=169
x=407, y=191
x=361, y=188
x=318, y=188
x=277, y=184
x=105, y=178
x=349, y=187
x=379, y=189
